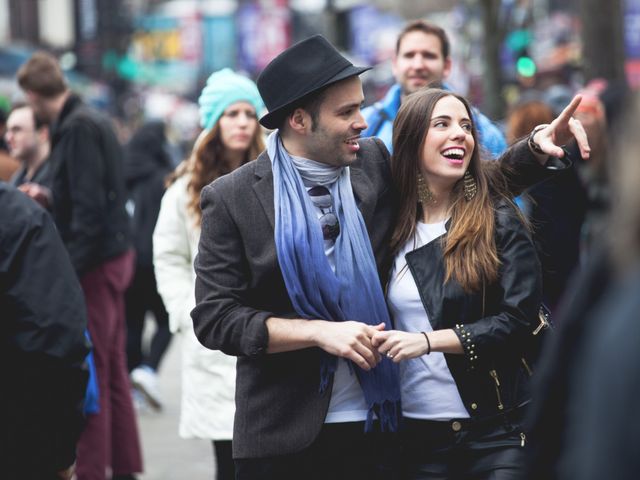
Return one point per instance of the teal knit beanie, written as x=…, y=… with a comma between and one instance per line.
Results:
x=224, y=88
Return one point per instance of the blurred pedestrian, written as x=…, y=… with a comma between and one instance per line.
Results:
x=88, y=205
x=42, y=345
x=147, y=163
x=8, y=164
x=556, y=208
x=584, y=419
x=594, y=173
x=422, y=58
x=231, y=136
x=602, y=420
x=28, y=141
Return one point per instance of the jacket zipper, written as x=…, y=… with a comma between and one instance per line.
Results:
x=544, y=322
x=523, y=439
x=526, y=366
x=494, y=375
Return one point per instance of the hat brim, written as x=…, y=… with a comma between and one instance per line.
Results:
x=273, y=119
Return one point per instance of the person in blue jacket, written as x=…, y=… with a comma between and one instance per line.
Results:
x=423, y=58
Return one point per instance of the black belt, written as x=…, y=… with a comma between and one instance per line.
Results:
x=513, y=416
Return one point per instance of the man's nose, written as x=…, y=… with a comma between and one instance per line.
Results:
x=417, y=61
x=360, y=123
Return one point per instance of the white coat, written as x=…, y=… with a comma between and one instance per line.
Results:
x=208, y=376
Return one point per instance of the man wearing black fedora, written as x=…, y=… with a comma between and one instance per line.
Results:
x=287, y=277
x=286, y=241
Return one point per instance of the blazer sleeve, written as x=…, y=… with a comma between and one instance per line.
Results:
x=522, y=169
x=519, y=292
x=172, y=260
x=222, y=318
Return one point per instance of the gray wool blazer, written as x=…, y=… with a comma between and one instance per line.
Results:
x=279, y=409
x=239, y=285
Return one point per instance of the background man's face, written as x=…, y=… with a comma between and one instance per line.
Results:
x=22, y=136
x=419, y=62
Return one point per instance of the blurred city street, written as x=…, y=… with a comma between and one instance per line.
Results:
x=392, y=168
x=166, y=455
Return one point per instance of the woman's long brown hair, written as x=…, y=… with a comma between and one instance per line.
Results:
x=207, y=162
x=469, y=248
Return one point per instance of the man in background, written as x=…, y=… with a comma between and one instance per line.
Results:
x=28, y=141
x=88, y=197
x=8, y=164
x=422, y=58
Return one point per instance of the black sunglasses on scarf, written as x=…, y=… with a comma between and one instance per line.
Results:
x=321, y=198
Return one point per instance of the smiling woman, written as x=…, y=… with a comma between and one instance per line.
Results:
x=464, y=290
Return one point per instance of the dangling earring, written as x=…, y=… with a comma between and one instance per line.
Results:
x=470, y=186
x=424, y=194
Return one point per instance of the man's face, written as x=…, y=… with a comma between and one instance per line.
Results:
x=419, y=62
x=334, y=137
x=22, y=136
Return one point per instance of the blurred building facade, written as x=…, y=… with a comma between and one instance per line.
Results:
x=171, y=46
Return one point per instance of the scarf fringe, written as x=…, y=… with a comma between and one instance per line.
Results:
x=388, y=413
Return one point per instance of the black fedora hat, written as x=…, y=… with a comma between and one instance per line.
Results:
x=300, y=70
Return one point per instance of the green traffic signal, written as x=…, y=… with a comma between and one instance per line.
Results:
x=526, y=67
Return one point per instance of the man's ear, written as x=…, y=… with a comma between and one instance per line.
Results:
x=299, y=121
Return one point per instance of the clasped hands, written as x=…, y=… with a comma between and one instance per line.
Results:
x=365, y=344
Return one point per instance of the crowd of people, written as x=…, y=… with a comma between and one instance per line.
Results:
x=356, y=295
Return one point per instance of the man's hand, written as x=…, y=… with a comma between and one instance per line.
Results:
x=562, y=130
x=398, y=345
x=350, y=340
x=40, y=194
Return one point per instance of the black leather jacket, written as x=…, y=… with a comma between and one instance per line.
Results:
x=491, y=376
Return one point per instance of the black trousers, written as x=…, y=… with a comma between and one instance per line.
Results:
x=342, y=451
x=142, y=297
x=225, y=469
x=490, y=449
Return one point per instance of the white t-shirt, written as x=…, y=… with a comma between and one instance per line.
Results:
x=429, y=391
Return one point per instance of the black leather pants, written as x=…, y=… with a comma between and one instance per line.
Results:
x=492, y=449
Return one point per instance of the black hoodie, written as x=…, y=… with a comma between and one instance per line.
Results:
x=147, y=163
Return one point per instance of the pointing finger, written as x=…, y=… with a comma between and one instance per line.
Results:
x=568, y=111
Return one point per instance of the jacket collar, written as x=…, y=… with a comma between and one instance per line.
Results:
x=73, y=101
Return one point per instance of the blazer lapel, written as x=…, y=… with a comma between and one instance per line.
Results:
x=263, y=187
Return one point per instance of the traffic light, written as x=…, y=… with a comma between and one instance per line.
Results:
x=518, y=43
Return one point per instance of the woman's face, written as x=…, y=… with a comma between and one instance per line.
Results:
x=238, y=123
x=448, y=145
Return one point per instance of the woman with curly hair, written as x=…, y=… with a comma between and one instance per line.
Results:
x=229, y=106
